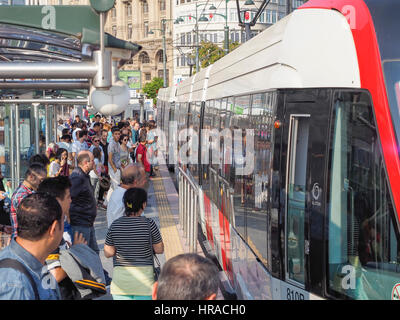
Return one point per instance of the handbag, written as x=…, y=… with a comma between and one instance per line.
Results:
x=156, y=269
x=105, y=183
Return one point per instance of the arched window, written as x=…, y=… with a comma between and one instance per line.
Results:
x=159, y=56
x=144, y=58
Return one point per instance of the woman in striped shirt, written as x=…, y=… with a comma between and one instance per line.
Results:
x=128, y=241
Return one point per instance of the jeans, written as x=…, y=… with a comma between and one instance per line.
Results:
x=89, y=235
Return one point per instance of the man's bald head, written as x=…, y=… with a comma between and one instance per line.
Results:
x=85, y=160
x=187, y=277
x=83, y=155
x=130, y=176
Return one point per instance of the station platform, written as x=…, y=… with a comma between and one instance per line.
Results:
x=163, y=208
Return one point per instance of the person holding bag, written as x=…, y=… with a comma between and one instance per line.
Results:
x=131, y=240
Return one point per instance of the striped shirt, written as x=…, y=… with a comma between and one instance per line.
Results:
x=131, y=239
x=19, y=194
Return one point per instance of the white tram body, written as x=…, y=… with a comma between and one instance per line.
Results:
x=310, y=48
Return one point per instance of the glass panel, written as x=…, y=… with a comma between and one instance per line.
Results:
x=5, y=159
x=26, y=137
x=296, y=202
x=364, y=255
x=392, y=76
x=240, y=121
x=262, y=122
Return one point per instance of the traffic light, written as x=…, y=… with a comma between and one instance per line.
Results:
x=246, y=15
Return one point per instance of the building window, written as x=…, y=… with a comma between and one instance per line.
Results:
x=297, y=3
x=147, y=76
x=161, y=75
x=162, y=5
x=274, y=16
x=145, y=7
x=130, y=31
x=233, y=17
x=144, y=58
x=189, y=38
x=262, y=18
x=114, y=31
x=146, y=29
x=269, y=16
x=215, y=37
x=129, y=10
x=159, y=56
x=183, y=60
x=182, y=39
x=114, y=13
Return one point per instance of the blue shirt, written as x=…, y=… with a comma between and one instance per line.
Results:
x=14, y=285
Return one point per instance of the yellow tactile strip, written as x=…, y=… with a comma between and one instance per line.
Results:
x=169, y=232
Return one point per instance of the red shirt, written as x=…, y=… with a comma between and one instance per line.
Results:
x=141, y=149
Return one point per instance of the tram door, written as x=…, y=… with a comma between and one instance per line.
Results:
x=304, y=140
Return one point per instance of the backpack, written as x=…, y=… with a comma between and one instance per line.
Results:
x=15, y=264
x=85, y=271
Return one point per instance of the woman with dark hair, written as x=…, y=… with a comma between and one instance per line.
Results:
x=124, y=153
x=59, y=166
x=132, y=239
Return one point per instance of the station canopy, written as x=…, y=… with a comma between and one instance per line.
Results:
x=52, y=33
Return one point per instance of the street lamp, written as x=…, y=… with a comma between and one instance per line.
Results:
x=164, y=49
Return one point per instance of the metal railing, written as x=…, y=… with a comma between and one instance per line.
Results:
x=188, y=208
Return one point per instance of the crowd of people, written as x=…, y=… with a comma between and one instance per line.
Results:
x=53, y=252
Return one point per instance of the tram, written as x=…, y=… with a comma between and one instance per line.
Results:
x=302, y=198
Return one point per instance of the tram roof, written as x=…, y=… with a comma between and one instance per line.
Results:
x=306, y=49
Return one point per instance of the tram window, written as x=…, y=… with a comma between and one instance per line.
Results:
x=227, y=134
x=257, y=209
x=240, y=122
x=215, y=155
x=205, y=160
x=364, y=247
x=194, y=124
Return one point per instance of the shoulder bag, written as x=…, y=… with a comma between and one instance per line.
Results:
x=156, y=269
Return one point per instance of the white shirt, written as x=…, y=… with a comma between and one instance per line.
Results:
x=67, y=146
x=115, y=206
x=92, y=173
x=74, y=137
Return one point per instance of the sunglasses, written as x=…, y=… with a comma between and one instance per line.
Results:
x=125, y=140
x=96, y=140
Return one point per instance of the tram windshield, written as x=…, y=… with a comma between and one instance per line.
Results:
x=364, y=244
x=392, y=77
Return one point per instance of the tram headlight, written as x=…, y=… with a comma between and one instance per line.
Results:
x=112, y=101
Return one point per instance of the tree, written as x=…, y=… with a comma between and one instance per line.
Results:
x=209, y=52
x=151, y=88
